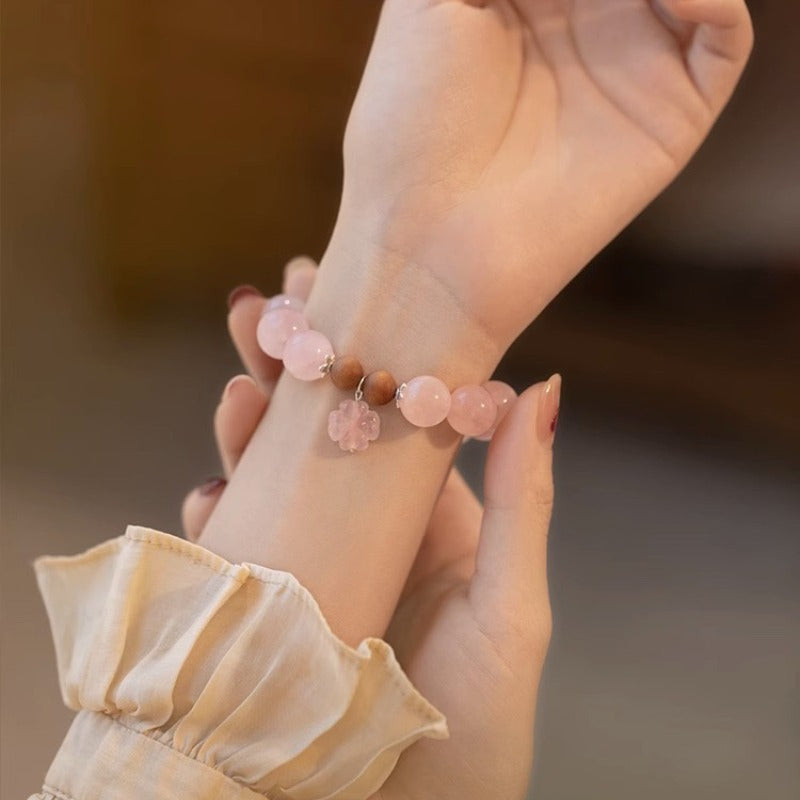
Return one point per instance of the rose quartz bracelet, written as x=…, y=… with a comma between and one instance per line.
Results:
x=284, y=333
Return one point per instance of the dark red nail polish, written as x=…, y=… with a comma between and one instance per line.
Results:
x=242, y=291
x=547, y=413
x=211, y=486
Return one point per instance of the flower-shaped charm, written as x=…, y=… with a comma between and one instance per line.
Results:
x=353, y=426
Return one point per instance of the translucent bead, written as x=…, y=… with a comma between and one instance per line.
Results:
x=285, y=301
x=353, y=425
x=276, y=326
x=424, y=401
x=305, y=353
x=472, y=410
x=504, y=397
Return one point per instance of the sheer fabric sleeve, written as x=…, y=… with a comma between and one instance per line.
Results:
x=197, y=678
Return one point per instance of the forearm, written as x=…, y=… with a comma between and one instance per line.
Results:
x=349, y=525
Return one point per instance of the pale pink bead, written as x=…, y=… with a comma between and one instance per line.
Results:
x=305, y=353
x=285, y=301
x=276, y=327
x=353, y=425
x=472, y=410
x=301, y=272
x=424, y=401
x=504, y=397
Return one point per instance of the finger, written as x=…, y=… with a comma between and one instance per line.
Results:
x=299, y=275
x=452, y=534
x=236, y=418
x=198, y=505
x=247, y=305
x=722, y=41
x=508, y=591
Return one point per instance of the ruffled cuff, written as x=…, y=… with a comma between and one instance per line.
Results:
x=209, y=679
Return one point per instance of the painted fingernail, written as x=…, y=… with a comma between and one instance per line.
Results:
x=242, y=291
x=547, y=414
x=211, y=486
x=230, y=386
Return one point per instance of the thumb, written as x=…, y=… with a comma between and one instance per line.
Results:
x=508, y=591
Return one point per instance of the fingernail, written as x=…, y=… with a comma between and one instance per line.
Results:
x=211, y=486
x=547, y=414
x=236, y=380
x=242, y=291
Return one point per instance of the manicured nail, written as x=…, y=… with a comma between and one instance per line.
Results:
x=230, y=386
x=547, y=414
x=242, y=291
x=211, y=486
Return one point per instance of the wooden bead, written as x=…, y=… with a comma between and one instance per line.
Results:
x=379, y=388
x=346, y=372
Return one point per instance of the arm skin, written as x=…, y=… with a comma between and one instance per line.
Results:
x=349, y=525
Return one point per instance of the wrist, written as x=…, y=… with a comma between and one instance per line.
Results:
x=392, y=313
x=362, y=516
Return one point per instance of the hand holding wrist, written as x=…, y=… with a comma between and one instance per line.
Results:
x=321, y=500
x=473, y=611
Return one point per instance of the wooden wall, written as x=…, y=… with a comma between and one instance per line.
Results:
x=217, y=128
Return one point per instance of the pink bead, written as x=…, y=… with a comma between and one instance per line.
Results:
x=276, y=327
x=424, y=401
x=504, y=397
x=305, y=353
x=301, y=272
x=472, y=410
x=353, y=425
x=285, y=301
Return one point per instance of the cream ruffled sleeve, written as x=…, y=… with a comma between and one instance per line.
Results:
x=197, y=678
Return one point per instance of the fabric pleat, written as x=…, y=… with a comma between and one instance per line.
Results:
x=230, y=665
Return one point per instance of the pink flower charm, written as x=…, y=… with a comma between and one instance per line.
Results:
x=353, y=426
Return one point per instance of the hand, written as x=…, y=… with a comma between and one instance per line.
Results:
x=473, y=623
x=495, y=147
x=474, y=617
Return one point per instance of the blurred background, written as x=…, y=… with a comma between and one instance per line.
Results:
x=156, y=154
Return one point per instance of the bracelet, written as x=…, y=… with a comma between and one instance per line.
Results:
x=474, y=411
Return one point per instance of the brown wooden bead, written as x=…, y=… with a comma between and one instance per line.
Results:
x=379, y=388
x=346, y=372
